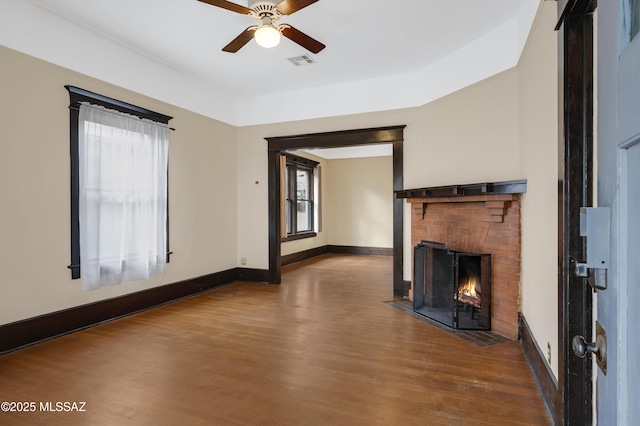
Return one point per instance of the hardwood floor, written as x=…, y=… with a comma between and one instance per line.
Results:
x=320, y=349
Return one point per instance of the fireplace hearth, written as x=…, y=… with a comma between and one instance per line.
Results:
x=451, y=287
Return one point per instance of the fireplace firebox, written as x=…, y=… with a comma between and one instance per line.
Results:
x=451, y=287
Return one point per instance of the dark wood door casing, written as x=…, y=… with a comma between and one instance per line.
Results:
x=379, y=135
x=575, y=191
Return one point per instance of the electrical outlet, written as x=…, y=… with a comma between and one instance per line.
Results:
x=549, y=353
x=243, y=260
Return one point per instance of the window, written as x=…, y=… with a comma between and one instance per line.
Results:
x=634, y=13
x=630, y=21
x=119, y=196
x=299, y=189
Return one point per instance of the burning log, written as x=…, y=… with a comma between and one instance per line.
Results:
x=469, y=292
x=470, y=300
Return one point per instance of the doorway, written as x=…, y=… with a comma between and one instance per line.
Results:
x=380, y=135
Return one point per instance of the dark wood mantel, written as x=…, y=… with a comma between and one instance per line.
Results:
x=486, y=188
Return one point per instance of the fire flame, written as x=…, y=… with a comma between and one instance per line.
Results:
x=468, y=287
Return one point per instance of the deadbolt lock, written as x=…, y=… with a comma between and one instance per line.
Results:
x=595, y=226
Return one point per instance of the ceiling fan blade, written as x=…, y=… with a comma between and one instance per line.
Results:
x=302, y=39
x=241, y=40
x=228, y=5
x=287, y=7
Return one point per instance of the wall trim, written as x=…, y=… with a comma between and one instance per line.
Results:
x=317, y=251
x=407, y=288
x=253, y=275
x=304, y=255
x=34, y=330
x=544, y=377
x=361, y=251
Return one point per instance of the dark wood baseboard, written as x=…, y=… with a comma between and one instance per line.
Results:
x=364, y=251
x=253, y=275
x=547, y=383
x=37, y=329
x=308, y=254
x=303, y=255
x=407, y=287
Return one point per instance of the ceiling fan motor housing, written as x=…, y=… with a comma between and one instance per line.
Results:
x=262, y=9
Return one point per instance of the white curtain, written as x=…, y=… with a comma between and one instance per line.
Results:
x=123, y=197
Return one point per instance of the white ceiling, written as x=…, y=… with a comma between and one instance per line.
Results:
x=359, y=151
x=380, y=54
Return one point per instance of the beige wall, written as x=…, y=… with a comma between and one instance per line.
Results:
x=469, y=136
x=359, y=202
x=538, y=86
x=34, y=185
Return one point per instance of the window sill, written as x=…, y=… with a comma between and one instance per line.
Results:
x=299, y=236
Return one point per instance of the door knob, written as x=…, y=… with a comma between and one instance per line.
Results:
x=581, y=348
x=598, y=348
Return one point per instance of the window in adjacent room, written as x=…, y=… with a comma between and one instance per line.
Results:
x=630, y=21
x=119, y=195
x=299, y=195
x=634, y=12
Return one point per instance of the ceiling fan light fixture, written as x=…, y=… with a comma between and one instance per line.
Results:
x=267, y=36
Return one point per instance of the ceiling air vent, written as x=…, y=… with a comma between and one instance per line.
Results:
x=299, y=61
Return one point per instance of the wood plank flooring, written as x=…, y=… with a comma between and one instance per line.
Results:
x=320, y=349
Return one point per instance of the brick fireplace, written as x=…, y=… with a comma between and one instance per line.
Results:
x=477, y=218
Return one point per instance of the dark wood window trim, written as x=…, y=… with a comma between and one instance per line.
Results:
x=77, y=96
x=301, y=161
x=299, y=236
x=379, y=135
x=295, y=163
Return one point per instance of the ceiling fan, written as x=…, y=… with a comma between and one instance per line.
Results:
x=267, y=34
